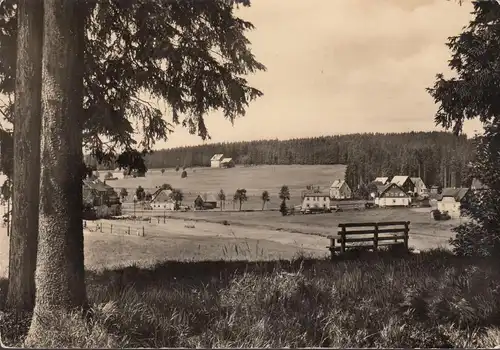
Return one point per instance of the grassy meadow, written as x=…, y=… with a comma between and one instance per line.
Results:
x=432, y=299
x=254, y=179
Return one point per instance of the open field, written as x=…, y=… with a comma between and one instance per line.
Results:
x=254, y=179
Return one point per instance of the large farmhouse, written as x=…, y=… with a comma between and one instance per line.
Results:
x=340, y=190
x=392, y=195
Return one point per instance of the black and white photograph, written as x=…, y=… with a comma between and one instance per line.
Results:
x=249, y=174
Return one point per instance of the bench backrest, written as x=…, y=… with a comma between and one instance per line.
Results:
x=359, y=228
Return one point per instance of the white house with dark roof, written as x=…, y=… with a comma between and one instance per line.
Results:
x=216, y=160
x=340, y=190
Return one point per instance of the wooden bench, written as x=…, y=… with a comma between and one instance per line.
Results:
x=370, y=236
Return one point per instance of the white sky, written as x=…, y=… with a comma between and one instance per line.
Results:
x=342, y=66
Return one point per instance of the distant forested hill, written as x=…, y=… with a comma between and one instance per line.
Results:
x=438, y=157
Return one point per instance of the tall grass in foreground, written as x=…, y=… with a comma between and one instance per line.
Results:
x=432, y=299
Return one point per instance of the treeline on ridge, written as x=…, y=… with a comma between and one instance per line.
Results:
x=439, y=158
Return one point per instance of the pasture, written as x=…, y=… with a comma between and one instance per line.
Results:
x=254, y=179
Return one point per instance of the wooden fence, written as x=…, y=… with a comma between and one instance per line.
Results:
x=117, y=228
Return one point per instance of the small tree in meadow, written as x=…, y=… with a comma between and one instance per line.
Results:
x=123, y=193
x=240, y=196
x=166, y=187
x=177, y=196
x=140, y=193
x=265, y=198
x=177, y=168
x=184, y=174
x=162, y=171
x=284, y=195
x=222, y=198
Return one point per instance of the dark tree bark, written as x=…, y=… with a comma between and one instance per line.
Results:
x=60, y=284
x=26, y=170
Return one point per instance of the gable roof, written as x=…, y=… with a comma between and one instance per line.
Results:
x=399, y=179
x=418, y=180
x=217, y=157
x=478, y=185
x=162, y=196
x=210, y=197
x=97, y=185
x=337, y=184
x=226, y=160
x=457, y=193
x=384, y=188
x=383, y=180
x=316, y=194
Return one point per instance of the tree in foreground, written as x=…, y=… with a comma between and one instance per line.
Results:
x=475, y=93
x=221, y=196
x=26, y=152
x=240, y=196
x=265, y=198
x=140, y=193
x=195, y=64
x=59, y=278
x=284, y=195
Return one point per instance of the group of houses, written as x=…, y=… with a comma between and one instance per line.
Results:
x=219, y=161
x=398, y=191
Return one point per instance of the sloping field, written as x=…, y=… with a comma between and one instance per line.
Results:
x=254, y=179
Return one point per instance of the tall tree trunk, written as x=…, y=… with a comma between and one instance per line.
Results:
x=60, y=284
x=26, y=170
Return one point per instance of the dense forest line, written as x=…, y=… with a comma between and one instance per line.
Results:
x=437, y=157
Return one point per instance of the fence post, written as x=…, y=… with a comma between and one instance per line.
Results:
x=142, y=231
x=158, y=219
x=375, y=237
x=100, y=227
x=332, y=247
x=164, y=216
x=128, y=230
x=111, y=228
x=342, y=239
x=407, y=233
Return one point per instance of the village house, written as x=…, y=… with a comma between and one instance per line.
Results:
x=392, y=195
x=162, y=199
x=420, y=188
x=381, y=181
x=404, y=182
x=451, y=201
x=316, y=201
x=102, y=197
x=215, y=161
x=340, y=190
x=227, y=163
x=477, y=185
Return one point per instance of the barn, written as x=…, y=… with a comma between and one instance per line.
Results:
x=391, y=195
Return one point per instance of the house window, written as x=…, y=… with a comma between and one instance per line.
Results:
x=307, y=205
x=324, y=198
x=393, y=201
